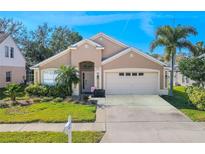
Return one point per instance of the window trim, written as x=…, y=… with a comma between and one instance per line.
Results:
x=6, y=51
x=10, y=77
x=126, y=74
x=12, y=52
x=121, y=74
x=136, y=74
x=141, y=74
x=42, y=75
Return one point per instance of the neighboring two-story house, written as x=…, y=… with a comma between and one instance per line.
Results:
x=12, y=62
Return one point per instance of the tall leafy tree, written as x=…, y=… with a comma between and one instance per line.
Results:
x=62, y=37
x=172, y=39
x=36, y=45
x=15, y=28
x=67, y=77
x=193, y=68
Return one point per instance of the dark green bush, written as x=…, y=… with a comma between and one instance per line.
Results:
x=55, y=91
x=58, y=99
x=85, y=98
x=12, y=90
x=36, y=90
x=196, y=96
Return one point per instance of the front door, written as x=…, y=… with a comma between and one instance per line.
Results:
x=87, y=81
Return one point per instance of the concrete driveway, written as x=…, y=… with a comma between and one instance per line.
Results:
x=148, y=118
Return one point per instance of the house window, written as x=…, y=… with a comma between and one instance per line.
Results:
x=49, y=77
x=8, y=76
x=121, y=74
x=141, y=74
x=128, y=74
x=6, y=51
x=134, y=74
x=11, y=52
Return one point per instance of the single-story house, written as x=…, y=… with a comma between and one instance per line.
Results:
x=12, y=61
x=106, y=63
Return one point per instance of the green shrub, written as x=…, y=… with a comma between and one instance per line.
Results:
x=196, y=96
x=36, y=90
x=37, y=100
x=200, y=106
x=4, y=105
x=58, y=99
x=46, y=99
x=55, y=91
x=85, y=98
x=12, y=90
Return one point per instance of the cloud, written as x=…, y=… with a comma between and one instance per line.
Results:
x=146, y=23
x=145, y=20
x=73, y=19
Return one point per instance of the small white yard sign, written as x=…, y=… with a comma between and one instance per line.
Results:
x=68, y=129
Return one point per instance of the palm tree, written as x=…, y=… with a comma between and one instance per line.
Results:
x=172, y=38
x=197, y=49
x=12, y=90
x=67, y=76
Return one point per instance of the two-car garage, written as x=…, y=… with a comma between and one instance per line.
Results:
x=131, y=82
x=132, y=72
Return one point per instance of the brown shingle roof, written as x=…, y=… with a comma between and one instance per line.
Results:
x=3, y=36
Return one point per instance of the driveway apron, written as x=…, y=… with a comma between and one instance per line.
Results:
x=146, y=118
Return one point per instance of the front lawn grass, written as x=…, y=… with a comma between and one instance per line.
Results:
x=180, y=101
x=50, y=137
x=48, y=112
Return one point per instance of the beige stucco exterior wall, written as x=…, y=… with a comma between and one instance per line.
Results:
x=86, y=52
x=135, y=61
x=111, y=48
x=17, y=74
x=56, y=63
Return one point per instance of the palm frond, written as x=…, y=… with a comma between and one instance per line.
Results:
x=158, y=42
x=165, y=32
x=184, y=31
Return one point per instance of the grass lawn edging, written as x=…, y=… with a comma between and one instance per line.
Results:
x=180, y=101
x=50, y=137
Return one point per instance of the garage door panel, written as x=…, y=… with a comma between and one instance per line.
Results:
x=146, y=84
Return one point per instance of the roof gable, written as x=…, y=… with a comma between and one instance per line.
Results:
x=130, y=50
x=109, y=38
x=98, y=46
x=51, y=58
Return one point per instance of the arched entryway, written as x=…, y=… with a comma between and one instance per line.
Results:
x=86, y=76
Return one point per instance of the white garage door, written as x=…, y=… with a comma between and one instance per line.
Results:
x=142, y=83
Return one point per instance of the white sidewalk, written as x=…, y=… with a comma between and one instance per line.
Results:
x=56, y=127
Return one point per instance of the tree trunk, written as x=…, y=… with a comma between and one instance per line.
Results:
x=171, y=76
